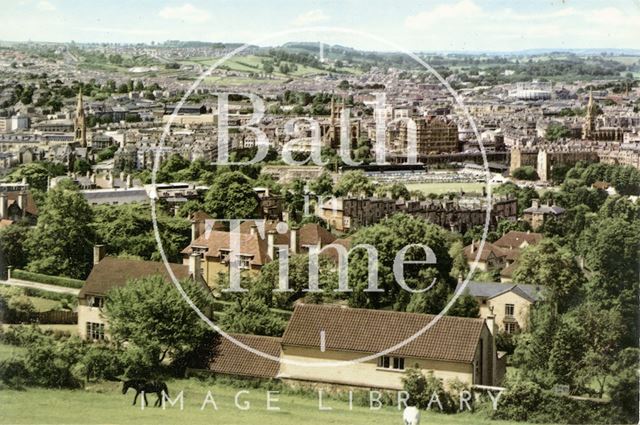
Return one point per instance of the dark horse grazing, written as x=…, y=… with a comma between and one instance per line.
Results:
x=146, y=387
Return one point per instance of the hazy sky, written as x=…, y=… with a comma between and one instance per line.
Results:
x=415, y=25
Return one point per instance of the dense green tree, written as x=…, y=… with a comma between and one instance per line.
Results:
x=172, y=165
x=12, y=244
x=619, y=207
x=611, y=252
x=62, y=241
x=554, y=268
x=389, y=237
x=395, y=190
x=533, y=348
x=151, y=315
x=459, y=265
x=250, y=315
x=623, y=389
x=601, y=330
x=556, y=131
x=189, y=207
x=506, y=226
x=298, y=277
x=465, y=306
x=231, y=195
x=322, y=186
x=294, y=199
x=127, y=230
x=354, y=182
x=81, y=166
x=36, y=174
x=569, y=227
x=524, y=195
x=525, y=173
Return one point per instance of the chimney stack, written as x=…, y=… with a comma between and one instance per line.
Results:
x=473, y=246
x=293, y=240
x=254, y=229
x=271, y=244
x=99, y=252
x=4, y=209
x=491, y=323
x=194, y=266
x=22, y=201
x=535, y=203
x=195, y=230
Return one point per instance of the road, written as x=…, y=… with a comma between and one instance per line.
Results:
x=41, y=286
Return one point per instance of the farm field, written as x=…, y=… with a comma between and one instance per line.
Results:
x=253, y=63
x=104, y=403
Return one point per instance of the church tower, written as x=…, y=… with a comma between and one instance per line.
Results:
x=79, y=124
x=589, y=126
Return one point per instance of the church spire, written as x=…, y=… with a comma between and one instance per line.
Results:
x=79, y=124
x=589, y=126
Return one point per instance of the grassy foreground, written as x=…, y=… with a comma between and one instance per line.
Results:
x=104, y=404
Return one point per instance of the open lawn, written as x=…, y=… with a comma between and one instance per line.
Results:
x=446, y=187
x=8, y=351
x=104, y=403
x=44, y=304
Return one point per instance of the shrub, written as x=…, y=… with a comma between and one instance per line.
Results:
x=15, y=307
x=47, y=362
x=506, y=342
x=423, y=391
x=21, y=336
x=527, y=401
x=50, y=363
x=101, y=362
x=50, y=280
x=525, y=173
x=13, y=373
x=24, y=336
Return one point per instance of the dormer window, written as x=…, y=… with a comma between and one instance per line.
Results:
x=244, y=262
x=95, y=301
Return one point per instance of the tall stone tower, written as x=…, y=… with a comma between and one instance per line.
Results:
x=589, y=126
x=79, y=124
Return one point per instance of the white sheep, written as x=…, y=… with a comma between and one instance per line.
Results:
x=411, y=415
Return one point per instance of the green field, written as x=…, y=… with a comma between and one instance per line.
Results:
x=8, y=351
x=446, y=187
x=104, y=403
x=252, y=63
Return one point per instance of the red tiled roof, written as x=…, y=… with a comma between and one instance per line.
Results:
x=230, y=359
x=373, y=331
x=514, y=239
x=332, y=253
x=487, y=249
x=218, y=241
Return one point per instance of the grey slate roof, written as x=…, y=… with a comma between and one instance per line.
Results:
x=546, y=209
x=488, y=290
